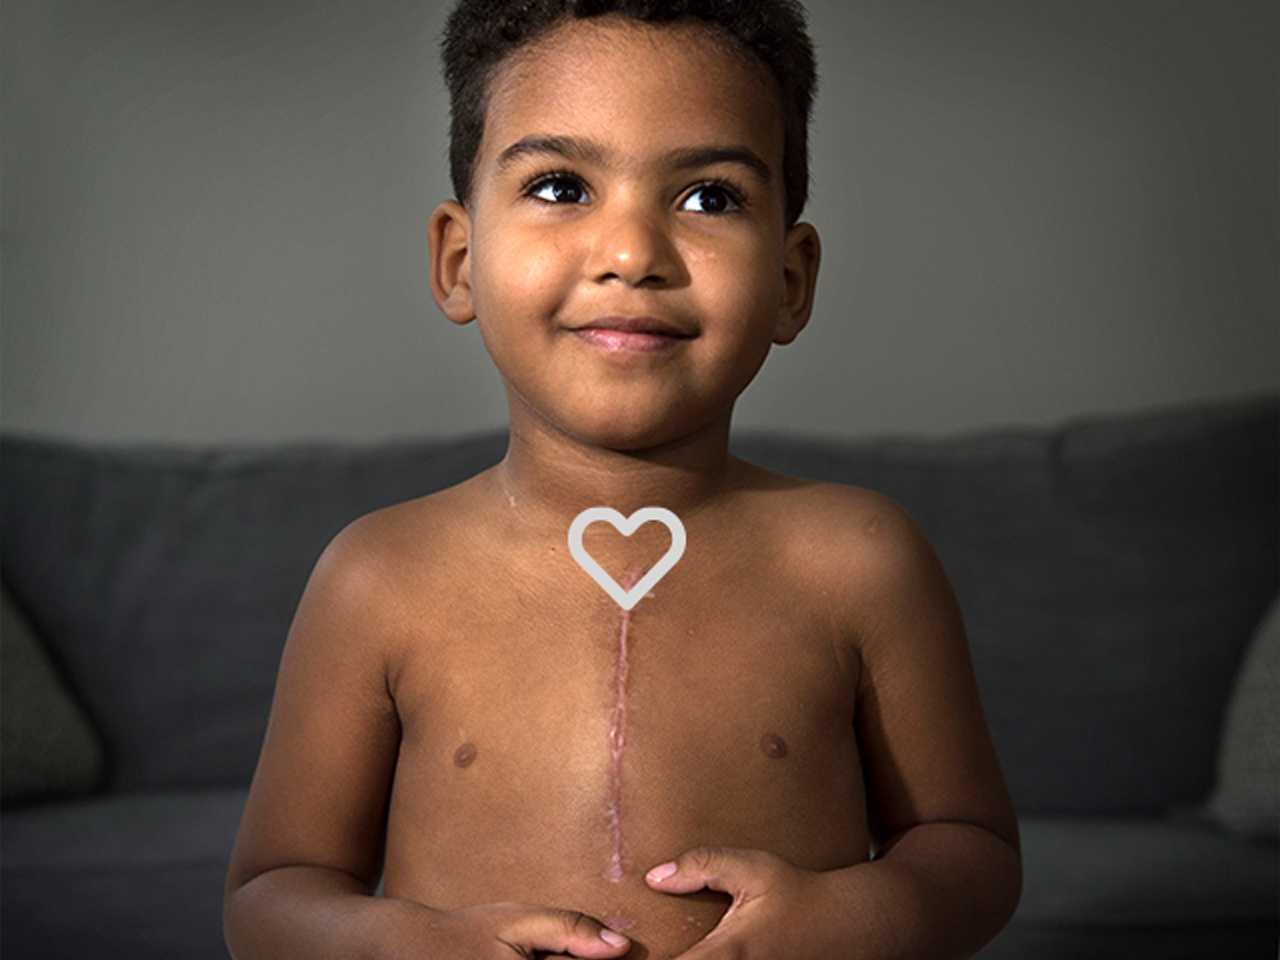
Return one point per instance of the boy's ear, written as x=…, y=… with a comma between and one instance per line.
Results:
x=449, y=243
x=801, y=258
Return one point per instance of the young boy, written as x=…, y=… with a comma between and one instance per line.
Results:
x=462, y=711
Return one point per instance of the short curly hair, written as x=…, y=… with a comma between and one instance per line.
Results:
x=480, y=34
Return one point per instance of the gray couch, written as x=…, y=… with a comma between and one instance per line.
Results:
x=1115, y=574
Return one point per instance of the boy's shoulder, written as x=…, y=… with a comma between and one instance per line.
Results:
x=846, y=538
x=836, y=522
x=396, y=547
x=857, y=543
x=411, y=527
x=868, y=535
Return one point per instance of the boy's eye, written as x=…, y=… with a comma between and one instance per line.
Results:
x=557, y=186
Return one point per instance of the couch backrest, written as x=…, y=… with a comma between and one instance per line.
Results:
x=1110, y=571
x=164, y=579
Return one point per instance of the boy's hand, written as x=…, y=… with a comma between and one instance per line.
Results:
x=494, y=931
x=771, y=897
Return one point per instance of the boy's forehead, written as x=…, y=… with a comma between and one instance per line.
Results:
x=641, y=91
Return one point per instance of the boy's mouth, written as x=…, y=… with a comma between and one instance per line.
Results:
x=651, y=325
x=620, y=340
x=643, y=334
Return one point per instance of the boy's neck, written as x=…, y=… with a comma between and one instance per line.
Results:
x=549, y=477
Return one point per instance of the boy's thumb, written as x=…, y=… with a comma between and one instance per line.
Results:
x=565, y=931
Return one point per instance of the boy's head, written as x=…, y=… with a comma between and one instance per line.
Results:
x=573, y=204
x=481, y=35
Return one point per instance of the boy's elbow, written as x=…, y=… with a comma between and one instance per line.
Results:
x=1007, y=865
x=999, y=882
x=999, y=891
x=1011, y=881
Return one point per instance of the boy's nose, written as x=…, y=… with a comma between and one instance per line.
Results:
x=636, y=250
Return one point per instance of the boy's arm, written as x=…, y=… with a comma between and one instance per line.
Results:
x=948, y=870
x=309, y=848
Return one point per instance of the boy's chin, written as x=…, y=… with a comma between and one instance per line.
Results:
x=628, y=434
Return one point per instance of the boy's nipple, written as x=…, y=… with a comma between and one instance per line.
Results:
x=773, y=746
x=463, y=756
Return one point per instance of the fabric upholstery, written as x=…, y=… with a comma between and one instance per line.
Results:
x=1247, y=795
x=48, y=747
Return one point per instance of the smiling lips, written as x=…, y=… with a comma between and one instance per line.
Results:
x=639, y=324
x=644, y=334
x=620, y=340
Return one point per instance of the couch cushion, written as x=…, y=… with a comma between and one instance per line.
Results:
x=48, y=747
x=138, y=876
x=1111, y=572
x=1144, y=872
x=1247, y=795
x=132, y=831
x=1118, y=888
x=165, y=579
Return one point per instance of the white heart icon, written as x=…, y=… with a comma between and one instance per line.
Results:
x=626, y=599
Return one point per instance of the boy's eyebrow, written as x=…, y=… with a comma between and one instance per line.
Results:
x=589, y=151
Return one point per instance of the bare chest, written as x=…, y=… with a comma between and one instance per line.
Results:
x=543, y=724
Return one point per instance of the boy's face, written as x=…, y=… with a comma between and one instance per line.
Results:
x=534, y=258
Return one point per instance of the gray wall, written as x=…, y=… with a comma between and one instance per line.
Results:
x=214, y=219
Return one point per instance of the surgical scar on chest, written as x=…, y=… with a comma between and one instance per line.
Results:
x=771, y=744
